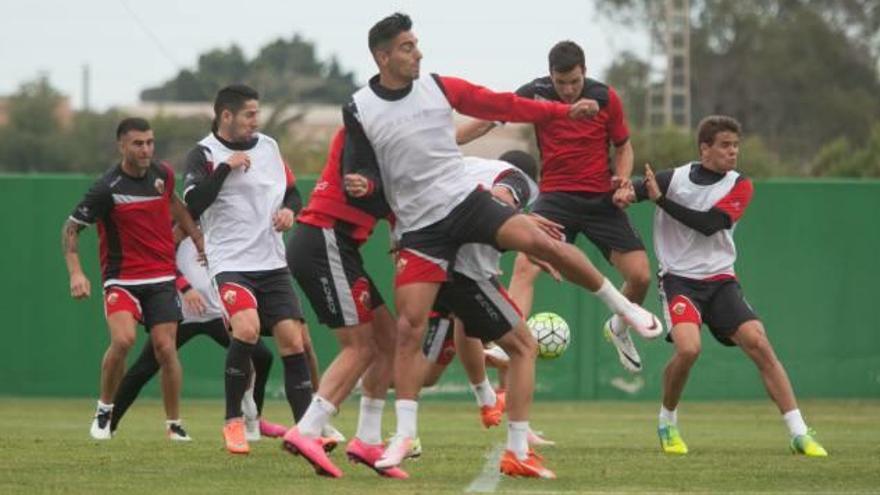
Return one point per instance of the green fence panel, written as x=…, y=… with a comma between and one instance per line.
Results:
x=807, y=262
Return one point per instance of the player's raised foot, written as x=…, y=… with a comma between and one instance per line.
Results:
x=536, y=439
x=626, y=349
x=642, y=321
x=397, y=450
x=359, y=452
x=530, y=467
x=272, y=430
x=175, y=432
x=100, y=429
x=670, y=440
x=491, y=415
x=233, y=434
x=807, y=445
x=312, y=450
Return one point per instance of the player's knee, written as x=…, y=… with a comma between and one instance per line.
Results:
x=122, y=342
x=639, y=280
x=409, y=331
x=246, y=333
x=688, y=352
x=521, y=345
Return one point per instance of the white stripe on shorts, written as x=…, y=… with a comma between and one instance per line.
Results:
x=488, y=288
x=340, y=281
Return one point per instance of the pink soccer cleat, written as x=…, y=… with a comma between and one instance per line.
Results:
x=271, y=430
x=312, y=449
x=359, y=452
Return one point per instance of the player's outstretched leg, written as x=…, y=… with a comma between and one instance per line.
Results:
x=519, y=460
x=752, y=339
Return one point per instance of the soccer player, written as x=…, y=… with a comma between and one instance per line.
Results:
x=324, y=256
x=578, y=189
x=245, y=195
x=133, y=204
x=698, y=207
x=202, y=315
x=403, y=146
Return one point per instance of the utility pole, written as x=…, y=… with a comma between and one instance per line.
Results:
x=669, y=81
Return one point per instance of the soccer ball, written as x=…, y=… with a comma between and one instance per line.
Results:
x=551, y=332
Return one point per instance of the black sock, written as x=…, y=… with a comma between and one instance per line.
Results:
x=297, y=384
x=134, y=380
x=262, y=360
x=238, y=369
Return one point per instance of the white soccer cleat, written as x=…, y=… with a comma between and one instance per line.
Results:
x=536, y=439
x=251, y=417
x=642, y=321
x=496, y=355
x=176, y=433
x=626, y=349
x=332, y=433
x=100, y=429
x=397, y=450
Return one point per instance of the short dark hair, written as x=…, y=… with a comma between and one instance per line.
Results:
x=233, y=98
x=565, y=56
x=131, y=124
x=710, y=126
x=522, y=161
x=387, y=29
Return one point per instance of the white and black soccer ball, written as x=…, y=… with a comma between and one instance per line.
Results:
x=552, y=334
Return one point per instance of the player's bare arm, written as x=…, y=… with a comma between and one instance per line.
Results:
x=80, y=288
x=623, y=167
x=186, y=223
x=472, y=130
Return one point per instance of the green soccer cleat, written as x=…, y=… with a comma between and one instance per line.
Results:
x=807, y=445
x=670, y=440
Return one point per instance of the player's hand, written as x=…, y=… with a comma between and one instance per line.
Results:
x=583, y=109
x=283, y=219
x=356, y=185
x=199, y=241
x=624, y=195
x=547, y=267
x=80, y=288
x=194, y=302
x=651, y=184
x=549, y=227
x=239, y=159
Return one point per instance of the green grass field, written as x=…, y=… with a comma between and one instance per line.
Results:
x=603, y=447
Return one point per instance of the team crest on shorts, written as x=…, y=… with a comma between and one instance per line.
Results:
x=678, y=308
x=401, y=263
x=160, y=186
x=112, y=298
x=229, y=296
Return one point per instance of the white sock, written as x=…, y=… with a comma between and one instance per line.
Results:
x=169, y=422
x=248, y=406
x=518, y=438
x=407, y=417
x=104, y=407
x=484, y=393
x=612, y=297
x=369, y=428
x=317, y=415
x=668, y=417
x=795, y=422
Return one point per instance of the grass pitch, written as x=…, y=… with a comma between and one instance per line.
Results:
x=603, y=447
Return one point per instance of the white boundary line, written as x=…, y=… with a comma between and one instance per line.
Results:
x=488, y=479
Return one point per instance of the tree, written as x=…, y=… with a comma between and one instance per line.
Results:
x=283, y=71
x=799, y=73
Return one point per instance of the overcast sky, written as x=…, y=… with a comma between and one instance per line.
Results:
x=130, y=45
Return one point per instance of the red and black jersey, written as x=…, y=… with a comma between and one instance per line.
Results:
x=134, y=224
x=329, y=204
x=574, y=153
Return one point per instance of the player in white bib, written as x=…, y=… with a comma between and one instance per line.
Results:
x=245, y=195
x=403, y=145
x=698, y=207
